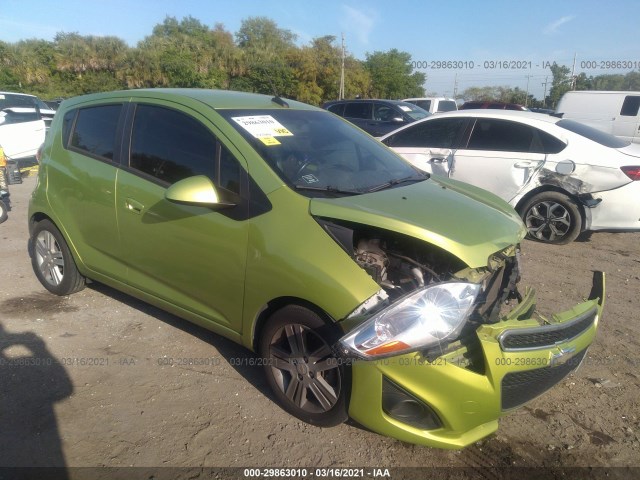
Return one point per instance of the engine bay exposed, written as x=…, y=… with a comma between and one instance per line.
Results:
x=401, y=264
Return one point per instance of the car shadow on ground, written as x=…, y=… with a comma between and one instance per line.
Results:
x=242, y=360
x=32, y=381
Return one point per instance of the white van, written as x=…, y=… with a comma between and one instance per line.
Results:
x=612, y=112
x=434, y=104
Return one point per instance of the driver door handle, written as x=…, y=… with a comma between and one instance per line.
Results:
x=437, y=160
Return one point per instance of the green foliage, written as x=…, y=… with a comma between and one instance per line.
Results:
x=392, y=77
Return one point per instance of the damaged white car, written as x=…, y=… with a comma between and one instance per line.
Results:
x=561, y=176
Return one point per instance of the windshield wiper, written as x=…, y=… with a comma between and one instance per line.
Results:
x=329, y=189
x=398, y=181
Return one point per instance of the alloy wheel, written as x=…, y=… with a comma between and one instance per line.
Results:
x=49, y=258
x=548, y=221
x=304, y=368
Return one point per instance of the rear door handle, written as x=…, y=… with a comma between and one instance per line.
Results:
x=133, y=206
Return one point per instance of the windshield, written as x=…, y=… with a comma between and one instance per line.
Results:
x=414, y=111
x=591, y=133
x=316, y=152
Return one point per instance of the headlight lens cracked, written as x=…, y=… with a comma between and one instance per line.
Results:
x=427, y=317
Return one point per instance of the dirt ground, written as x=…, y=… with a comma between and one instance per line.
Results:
x=105, y=392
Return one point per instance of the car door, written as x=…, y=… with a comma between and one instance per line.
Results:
x=81, y=186
x=193, y=257
x=501, y=156
x=360, y=114
x=429, y=145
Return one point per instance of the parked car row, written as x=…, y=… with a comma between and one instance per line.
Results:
x=369, y=288
x=562, y=176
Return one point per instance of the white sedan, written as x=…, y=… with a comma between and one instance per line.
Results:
x=561, y=176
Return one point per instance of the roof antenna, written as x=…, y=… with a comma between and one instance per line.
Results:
x=276, y=98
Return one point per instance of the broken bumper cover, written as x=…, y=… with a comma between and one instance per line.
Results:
x=449, y=402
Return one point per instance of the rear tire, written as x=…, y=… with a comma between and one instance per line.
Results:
x=552, y=217
x=3, y=212
x=52, y=261
x=301, y=369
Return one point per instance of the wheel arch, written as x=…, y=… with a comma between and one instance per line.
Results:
x=552, y=188
x=276, y=304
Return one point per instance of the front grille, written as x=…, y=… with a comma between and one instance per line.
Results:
x=520, y=387
x=547, y=335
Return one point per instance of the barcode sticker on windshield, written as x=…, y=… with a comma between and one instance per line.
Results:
x=262, y=126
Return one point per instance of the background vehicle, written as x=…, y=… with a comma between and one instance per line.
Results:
x=492, y=106
x=377, y=117
x=372, y=309
x=563, y=177
x=434, y=104
x=22, y=129
x=5, y=204
x=612, y=112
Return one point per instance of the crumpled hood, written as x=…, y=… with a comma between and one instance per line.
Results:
x=467, y=221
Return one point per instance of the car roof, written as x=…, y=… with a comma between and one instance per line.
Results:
x=360, y=100
x=427, y=98
x=216, y=99
x=504, y=114
x=17, y=93
x=531, y=118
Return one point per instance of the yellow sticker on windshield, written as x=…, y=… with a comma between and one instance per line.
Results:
x=269, y=141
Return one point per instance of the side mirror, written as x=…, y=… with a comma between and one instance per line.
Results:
x=397, y=120
x=199, y=191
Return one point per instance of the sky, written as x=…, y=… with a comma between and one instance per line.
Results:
x=451, y=41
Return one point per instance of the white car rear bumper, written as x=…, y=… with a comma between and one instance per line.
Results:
x=618, y=210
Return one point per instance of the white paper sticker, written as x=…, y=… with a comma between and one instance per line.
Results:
x=405, y=108
x=262, y=126
x=1, y=97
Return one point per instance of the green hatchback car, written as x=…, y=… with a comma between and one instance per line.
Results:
x=368, y=288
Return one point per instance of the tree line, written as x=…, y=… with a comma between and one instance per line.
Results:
x=260, y=57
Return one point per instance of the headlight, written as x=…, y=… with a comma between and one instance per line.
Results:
x=425, y=318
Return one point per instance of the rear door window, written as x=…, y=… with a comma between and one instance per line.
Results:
x=501, y=135
x=95, y=131
x=358, y=110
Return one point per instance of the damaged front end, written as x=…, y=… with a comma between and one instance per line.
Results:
x=443, y=350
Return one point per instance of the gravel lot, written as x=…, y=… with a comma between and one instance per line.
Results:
x=106, y=393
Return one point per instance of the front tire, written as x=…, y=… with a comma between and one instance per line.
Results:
x=52, y=261
x=552, y=217
x=301, y=369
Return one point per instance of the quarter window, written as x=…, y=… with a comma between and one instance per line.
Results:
x=95, y=130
